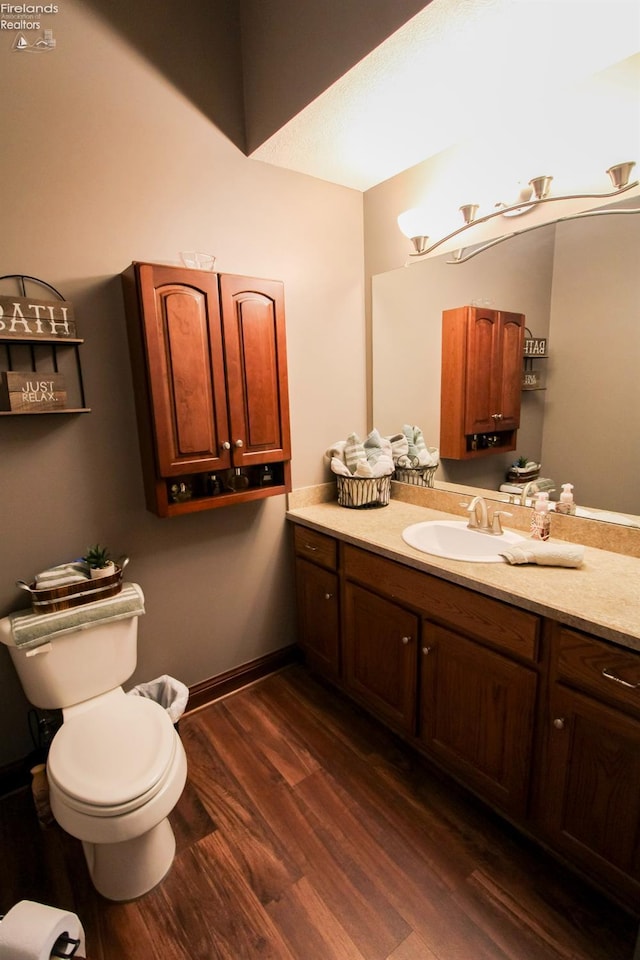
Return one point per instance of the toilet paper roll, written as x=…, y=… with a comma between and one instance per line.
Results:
x=29, y=931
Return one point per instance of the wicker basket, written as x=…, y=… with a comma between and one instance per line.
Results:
x=362, y=492
x=54, y=599
x=418, y=476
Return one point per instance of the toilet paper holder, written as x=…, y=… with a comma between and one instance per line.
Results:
x=65, y=947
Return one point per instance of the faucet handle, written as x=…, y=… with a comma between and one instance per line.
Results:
x=473, y=520
x=496, y=525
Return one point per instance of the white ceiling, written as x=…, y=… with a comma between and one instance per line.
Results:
x=456, y=69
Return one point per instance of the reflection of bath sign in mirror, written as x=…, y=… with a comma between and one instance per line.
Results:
x=32, y=392
x=535, y=347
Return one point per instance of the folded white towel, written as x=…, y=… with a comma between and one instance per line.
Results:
x=354, y=451
x=62, y=575
x=545, y=554
x=339, y=466
x=376, y=446
x=383, y=467
x=33, y=629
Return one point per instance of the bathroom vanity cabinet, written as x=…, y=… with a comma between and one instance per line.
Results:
x=481, y=381
x=209, y=364
x=516, y=707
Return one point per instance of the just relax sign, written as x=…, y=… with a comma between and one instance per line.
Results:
x=23, y=318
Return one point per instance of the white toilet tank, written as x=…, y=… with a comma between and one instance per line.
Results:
x=75, y=666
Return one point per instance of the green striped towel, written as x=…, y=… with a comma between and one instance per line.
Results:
x=33, y=629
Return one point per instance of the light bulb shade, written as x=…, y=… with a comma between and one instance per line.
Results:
x=620, y=174
x=468, y=211
x=540, y=186
x=413, y=223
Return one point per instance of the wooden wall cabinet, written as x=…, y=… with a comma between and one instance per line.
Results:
x=208, y=355
x=541, y=722
x=481, y=381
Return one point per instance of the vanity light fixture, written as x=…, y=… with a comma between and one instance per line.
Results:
x=412, y=224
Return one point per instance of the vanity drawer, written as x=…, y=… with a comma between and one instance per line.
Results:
x=503, y=626
x=316, y=547
x=598, y=667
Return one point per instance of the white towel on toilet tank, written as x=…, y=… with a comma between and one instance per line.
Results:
x=30, y=930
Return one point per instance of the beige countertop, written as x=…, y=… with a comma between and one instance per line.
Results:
x=602, y=597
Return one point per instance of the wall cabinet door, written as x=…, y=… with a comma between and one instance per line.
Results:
x=318, y=616
x=477, y=716
x=210, y=376
x=256, y=359
x=590, y=802
x=380, y=669
x=482, y=353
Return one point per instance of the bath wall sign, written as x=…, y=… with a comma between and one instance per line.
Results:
x=23, y=318
x=32, y=392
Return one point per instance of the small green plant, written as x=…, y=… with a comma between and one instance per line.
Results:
x=97, y=557
x=521, y=462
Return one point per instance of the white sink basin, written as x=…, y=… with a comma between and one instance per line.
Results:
x=454, y=540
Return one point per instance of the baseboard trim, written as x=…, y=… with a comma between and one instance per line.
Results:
x=205, y=692
x=17, y=775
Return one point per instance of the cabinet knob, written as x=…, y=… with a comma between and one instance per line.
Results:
x=238, y=443
x=406, y=640
x=559, y=723
x=426, y=651
x=225, y=445
x=328, y=596
x=496, y=416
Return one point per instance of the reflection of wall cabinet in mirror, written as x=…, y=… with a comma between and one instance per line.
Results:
x=481, y=381
x=209, y=365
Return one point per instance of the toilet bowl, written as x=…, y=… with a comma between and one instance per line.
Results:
x=116, y=767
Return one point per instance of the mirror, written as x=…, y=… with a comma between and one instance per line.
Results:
x=578, y=284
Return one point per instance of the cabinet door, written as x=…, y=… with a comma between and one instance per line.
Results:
x=186, y=381
x=318, y=616
x=380, y=668
x=493, y=371
x=255, y=347
x=477, y=716
x=591, y=800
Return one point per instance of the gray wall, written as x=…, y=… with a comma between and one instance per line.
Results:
x=107, y=159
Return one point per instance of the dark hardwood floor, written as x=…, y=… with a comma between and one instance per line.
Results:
x=308, y=832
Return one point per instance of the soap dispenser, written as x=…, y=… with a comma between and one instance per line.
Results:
x=540, y=520
x=565, y=504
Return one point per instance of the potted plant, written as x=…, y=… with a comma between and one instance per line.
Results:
x=99, y=562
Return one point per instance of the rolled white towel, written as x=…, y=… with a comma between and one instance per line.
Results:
x=382, y=467
x=363, y=469
x=336, y=450
x=376, y=446
x=545, y=554
x=339, y=466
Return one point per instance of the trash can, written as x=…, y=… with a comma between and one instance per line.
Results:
x=168, y=692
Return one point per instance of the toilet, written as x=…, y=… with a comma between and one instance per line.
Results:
x=116, y=767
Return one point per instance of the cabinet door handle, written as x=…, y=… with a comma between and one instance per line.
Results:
x=225, y=445
x=559, y=723
x=611, y=676
x=309, y=546
x=426, y=651
x=406, y=640
x=238, y=443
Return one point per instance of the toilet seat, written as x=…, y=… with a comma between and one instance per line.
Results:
x=112, y=759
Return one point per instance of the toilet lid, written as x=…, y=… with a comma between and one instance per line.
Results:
x=109, y=756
